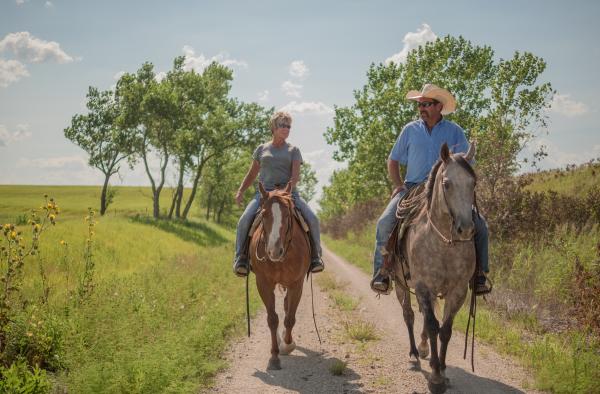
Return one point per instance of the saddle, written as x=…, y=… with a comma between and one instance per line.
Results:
x=406, y=211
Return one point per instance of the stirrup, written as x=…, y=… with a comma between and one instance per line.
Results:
x=241, y=268
x=381, y=284
x=316, y=265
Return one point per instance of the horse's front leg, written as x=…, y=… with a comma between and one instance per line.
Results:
x=437, y=383
x=409, y=318
x=292, y=300
x=454, y=301
x=267, y=294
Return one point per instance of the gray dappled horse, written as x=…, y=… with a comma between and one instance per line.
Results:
x=440, y=252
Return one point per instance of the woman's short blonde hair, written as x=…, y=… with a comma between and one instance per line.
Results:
x=278, y=117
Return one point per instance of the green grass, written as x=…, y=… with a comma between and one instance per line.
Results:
x=361, y=331
x=338, y=367
x=562, y=363
x=577, y=182
x=164, y=302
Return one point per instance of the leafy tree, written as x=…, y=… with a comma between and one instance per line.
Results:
x=106, y=142
x=308, y=182
x=499, y=102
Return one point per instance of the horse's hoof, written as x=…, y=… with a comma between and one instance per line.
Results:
x=286, y=348
x=274, y=364
x=423, y=351
x=437, y=388
x=414, y=363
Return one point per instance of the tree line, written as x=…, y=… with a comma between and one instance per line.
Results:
x=501, y=104
x=187, y=120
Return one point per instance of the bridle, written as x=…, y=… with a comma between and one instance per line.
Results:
x=288, y=231
x=451, y=240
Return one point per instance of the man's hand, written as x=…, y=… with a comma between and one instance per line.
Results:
x=397, y=190
x=239, y=198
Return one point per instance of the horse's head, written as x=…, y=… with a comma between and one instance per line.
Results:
x=456, y=180
x=277, y=220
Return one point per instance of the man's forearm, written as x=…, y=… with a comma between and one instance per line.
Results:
x=394, y=173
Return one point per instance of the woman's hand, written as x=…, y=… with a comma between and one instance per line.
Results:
x=239, y=197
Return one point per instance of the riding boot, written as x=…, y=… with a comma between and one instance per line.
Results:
x=481, y=285
x=316, y=264
x=241, y=266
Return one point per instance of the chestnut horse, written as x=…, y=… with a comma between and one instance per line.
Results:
x=279, y=254
x=440, y=252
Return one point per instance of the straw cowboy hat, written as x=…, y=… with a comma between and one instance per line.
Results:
x=434, y=92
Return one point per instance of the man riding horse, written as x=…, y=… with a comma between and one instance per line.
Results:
x=417, y=148
x=277, y=163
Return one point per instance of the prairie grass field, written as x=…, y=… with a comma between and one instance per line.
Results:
x=160, y=308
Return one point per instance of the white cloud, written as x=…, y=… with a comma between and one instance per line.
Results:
x=263, y=96
x=564, y=105
x=411, y=41
x=558, y=158
x=28, y=48
x=21, y=2
x=307, y=107
x=118, y=75
x=200, y=62
x=11, y=71
x=61, y=162
x=48, y=4
x=298, y=69
x=7, y=137
x=160, y=76
x=291, y=89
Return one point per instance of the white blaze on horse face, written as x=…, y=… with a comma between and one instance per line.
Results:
x=275, y=231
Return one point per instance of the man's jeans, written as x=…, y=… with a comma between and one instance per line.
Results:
x=253, y=206
x=387, y=220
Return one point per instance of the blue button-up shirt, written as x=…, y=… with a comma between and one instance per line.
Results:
x=418, y=150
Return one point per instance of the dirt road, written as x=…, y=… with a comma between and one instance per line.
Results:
x=379, y=366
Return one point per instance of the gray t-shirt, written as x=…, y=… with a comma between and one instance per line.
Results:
x=276, y=163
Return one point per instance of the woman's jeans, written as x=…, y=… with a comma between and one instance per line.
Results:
x=253, y=206
x=386, y=223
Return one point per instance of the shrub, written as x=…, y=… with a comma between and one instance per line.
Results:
x=18, y=378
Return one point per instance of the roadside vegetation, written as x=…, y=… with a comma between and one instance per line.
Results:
x=544, y=227
x=119, y=303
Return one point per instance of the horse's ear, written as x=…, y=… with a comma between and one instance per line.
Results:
x=288, y=188
x=471, y=152
x=262, y=191
x=445, y=153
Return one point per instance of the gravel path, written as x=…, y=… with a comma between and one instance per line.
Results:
x=379, y=366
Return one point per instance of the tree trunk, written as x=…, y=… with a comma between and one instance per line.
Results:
x=188, y=205
x=209, y=202
x=103, y=194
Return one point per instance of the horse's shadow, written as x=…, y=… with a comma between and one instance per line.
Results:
x=461, y=381
x=309, y=373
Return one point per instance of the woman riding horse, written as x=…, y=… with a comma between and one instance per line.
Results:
x=277, y=163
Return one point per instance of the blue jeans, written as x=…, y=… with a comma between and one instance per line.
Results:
x=252, y=208
x=387, y=220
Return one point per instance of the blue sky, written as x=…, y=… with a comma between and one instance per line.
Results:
x=304, y=56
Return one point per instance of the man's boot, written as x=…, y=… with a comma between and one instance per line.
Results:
x=380, y=283
x=241, y=266
x=481, y=285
